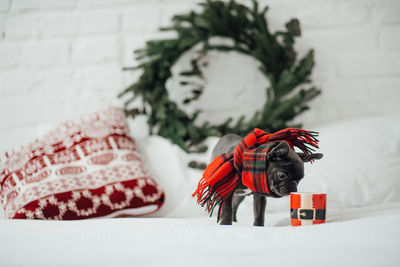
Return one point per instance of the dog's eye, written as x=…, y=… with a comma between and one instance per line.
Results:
x=282, y=175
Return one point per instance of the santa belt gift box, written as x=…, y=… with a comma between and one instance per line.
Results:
x=307, y=208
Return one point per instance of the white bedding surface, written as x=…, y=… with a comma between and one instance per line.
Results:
x=368, y=236
x=360, y=169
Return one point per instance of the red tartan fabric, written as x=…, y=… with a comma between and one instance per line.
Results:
x=254, y=173
x=247, y=163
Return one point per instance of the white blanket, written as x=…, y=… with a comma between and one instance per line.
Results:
x=360, y=237
x=360, y=169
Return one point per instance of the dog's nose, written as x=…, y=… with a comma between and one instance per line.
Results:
x=292, y=187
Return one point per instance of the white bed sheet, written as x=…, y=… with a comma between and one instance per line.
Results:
x=181, y=234
x=360, y=237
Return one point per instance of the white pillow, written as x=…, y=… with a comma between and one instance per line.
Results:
x=167, y=163
x=361, y=163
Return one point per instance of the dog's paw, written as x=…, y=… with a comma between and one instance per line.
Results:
x=225, y=222
x=258, y=223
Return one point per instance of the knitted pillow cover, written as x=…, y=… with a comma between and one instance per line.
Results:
x=87, y=167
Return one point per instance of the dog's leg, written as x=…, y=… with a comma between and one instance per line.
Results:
x=236, y=200
x=259, y=204
x=226, y=212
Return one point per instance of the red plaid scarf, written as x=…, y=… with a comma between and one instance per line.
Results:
x=247, y=162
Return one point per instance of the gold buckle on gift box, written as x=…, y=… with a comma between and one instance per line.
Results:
x=302, y=212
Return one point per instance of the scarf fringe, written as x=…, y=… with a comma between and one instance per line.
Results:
x=305, y=140
x=209, y=198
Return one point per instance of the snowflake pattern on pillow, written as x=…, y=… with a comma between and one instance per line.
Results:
x=87, y=167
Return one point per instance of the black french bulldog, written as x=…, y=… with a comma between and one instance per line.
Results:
x=284, y=171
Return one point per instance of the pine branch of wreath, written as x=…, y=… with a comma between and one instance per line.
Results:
x=248, y=29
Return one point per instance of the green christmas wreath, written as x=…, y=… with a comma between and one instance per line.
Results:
x=287, y=95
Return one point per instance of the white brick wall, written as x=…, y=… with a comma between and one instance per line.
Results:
x=22, y=26
x=44, y=54
x=61, y=58
x=58, y=25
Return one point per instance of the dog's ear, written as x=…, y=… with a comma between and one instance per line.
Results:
x=310, y=157
x=278, y=151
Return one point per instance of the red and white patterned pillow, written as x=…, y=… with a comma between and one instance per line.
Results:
x=85, y=168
